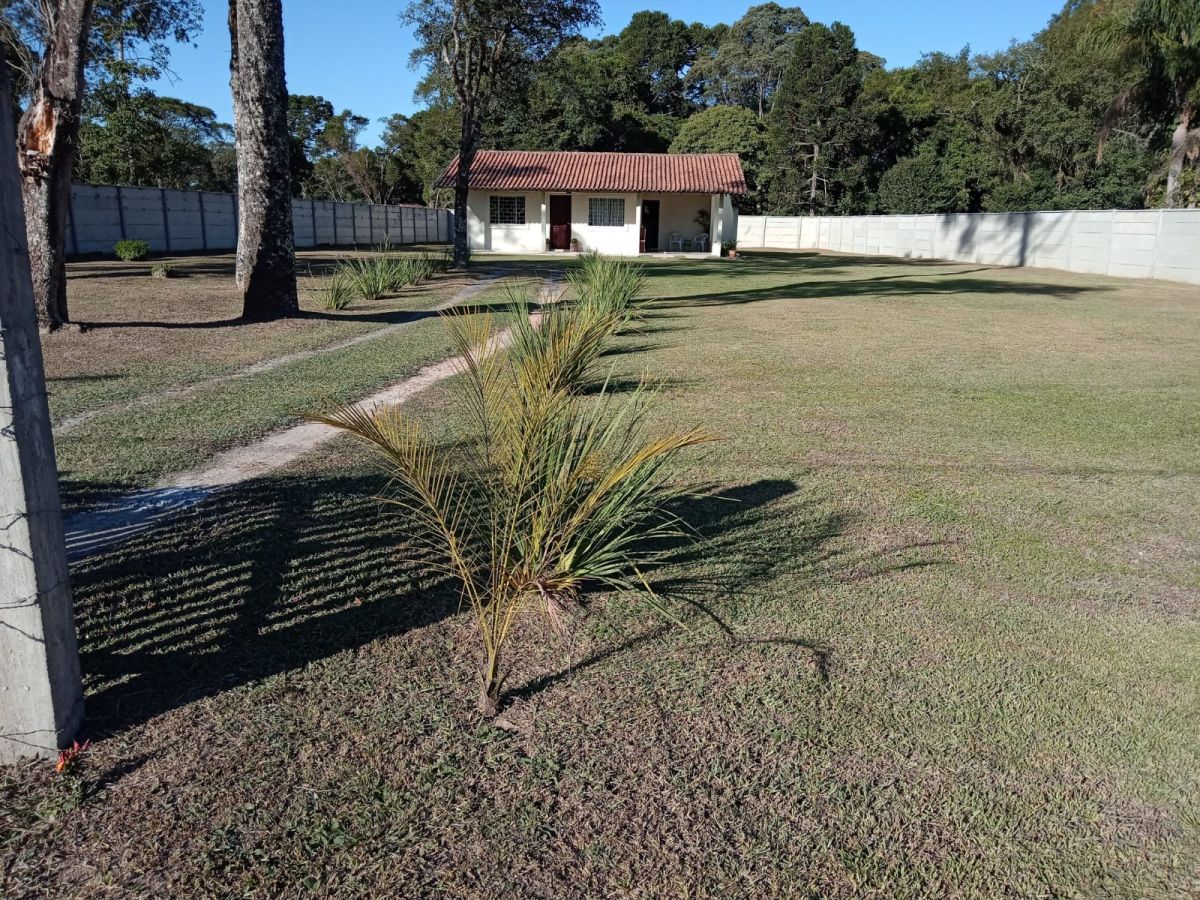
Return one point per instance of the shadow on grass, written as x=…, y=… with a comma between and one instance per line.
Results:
x=931, y=284
x=259, y=580
x=746, y=536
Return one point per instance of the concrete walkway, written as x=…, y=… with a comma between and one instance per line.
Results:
x=95, y=530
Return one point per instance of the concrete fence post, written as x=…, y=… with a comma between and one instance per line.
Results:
x=162, y=199
x=72, y=233
x=120, y=212
x=1157, y=251
x=203, y=223
x=41, y=691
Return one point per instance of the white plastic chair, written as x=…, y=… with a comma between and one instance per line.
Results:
x=675, y=242
x=701, y=242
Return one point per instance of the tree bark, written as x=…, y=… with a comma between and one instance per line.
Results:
x=812, y=184
x=41, y=693
x=47, y=143
x=462, y=182
x=1182, y=141
x=266, y=254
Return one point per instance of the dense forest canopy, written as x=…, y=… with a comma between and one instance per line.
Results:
x=1100, y=109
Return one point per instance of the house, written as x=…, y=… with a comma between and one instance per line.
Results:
x=617, y=203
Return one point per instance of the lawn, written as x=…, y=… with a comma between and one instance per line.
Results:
x=161, y=377
x=944, y=624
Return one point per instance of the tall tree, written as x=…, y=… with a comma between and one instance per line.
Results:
x=817, y=134
x=1156, y=46
x=137, y=137
x=655, y=52
x=307, y=115
x=746, y=64
x=41, y=704
x=119, y=39
x=266, y=255
x=47, y=143
x=476, y=44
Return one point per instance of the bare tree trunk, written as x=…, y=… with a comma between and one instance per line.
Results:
x=41, y=694
x=462, y=181
x=1184, y=141
x=812, y=184
x=47, y=142
x=266, y=254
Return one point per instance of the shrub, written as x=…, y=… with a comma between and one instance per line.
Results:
x=162, y=270
x=131, y=250
x=388, y=272
x=917, y=185
x=558, y=491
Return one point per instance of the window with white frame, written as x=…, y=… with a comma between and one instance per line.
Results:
x=507, y=210
x=605, y=211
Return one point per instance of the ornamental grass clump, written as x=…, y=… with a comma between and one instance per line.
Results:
x=609, y=287
x=370, y=277
x=554, y=492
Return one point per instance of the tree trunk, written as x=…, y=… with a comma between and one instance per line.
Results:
x=41, y=700
x=462, y=182
x=812, y=184
x=47, y=143
x=1181, y=140
x=491, y=683
x=266, y=254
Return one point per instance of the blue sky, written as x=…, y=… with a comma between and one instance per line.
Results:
x=355, y=52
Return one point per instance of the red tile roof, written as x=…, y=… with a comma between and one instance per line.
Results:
x=530, y=170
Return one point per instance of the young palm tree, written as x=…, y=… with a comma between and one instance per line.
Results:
x=561, y=491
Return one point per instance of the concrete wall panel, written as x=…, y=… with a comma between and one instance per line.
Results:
x=1128, y=243
x=173, y=221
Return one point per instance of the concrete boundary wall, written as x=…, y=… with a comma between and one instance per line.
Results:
x=1142, y=243
x=173, y=221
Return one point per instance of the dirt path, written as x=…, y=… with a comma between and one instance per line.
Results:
x=490, y=279
x=137, y=512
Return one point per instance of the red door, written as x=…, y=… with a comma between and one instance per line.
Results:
x=560, y=221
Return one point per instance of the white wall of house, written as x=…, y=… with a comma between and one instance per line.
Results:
x=615, y=240
x=527, y=238
x=677, y=213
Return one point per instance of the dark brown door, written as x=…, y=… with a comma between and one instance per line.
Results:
x=649, y=225
x=560, y=221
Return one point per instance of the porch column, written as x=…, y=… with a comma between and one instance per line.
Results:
x=637, y=224
x=715, y=236
x=545, y=218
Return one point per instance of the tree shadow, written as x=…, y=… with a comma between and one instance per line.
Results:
x=745, y=536
x=254, y=581
x=932, y=284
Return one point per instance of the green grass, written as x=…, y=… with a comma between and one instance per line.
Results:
x=143, y=335
x=957, y=554
x=125, y=448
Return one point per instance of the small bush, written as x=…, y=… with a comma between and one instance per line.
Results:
x=162, y=270
x=131, y=250
x=370, y=278
x=336, y=293
x=608, y=288
x=388, y=272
